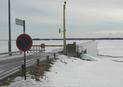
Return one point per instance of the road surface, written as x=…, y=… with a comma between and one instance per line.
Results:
x=10, y=66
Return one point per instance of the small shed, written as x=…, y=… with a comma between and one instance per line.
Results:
x=71, y=49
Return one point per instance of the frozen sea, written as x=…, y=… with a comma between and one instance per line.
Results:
x=104, y=47
x=4, y=44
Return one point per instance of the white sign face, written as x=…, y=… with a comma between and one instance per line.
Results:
x=19, y=22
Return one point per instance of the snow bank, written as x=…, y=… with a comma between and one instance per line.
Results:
x=90, y=47
x=73, y=72
x=27, y=83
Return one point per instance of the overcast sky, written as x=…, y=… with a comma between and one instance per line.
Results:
x=44, y=17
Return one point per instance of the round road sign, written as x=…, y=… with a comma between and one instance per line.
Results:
x=42, y=45
x=24, y=42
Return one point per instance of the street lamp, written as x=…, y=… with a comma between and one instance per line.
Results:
x=64, y=28
x=9, y=26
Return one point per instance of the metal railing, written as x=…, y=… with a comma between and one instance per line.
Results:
x=9, y=52
x=30, y=62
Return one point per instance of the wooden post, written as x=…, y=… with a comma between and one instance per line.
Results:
x=48, y=59
x=22, y=67
x=38, y=61
x=64, y=28
x=54, y=55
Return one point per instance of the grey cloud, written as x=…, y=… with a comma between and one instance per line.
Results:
x=97, y=15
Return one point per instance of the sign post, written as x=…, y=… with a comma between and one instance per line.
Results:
x=24, y=65
x=24, y=43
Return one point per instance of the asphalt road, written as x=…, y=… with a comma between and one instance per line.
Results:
x=15, y=63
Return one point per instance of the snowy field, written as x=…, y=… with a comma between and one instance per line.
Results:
x=104, y=71
x=110, y=47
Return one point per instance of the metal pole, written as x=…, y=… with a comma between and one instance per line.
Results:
x=9, y=24
x=24, y=65
x=64, y=28
x=23, y=26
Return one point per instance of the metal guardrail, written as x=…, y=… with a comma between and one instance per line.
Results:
x=38, y=53
x=16, y=69
x=31, y=62
x=8, y=52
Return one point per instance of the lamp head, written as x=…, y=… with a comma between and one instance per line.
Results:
x=64, y=2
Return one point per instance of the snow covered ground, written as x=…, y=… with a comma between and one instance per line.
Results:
x=74, y=72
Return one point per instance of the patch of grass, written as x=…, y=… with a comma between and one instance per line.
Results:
x=39, y=70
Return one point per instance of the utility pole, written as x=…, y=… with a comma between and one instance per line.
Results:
x=64, y=28
x=9, y=24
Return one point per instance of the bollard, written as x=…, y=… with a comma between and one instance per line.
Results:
x=38, y=61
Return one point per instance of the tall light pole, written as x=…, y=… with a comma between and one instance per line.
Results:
x=9, y=24
x=64, y=28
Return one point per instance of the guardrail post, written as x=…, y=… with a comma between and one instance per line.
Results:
x=38, y=48
x=48, y=59
x=54, y=55
x=38, y=61
x=23, y=68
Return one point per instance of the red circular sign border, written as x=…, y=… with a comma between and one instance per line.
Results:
x=30, y=40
